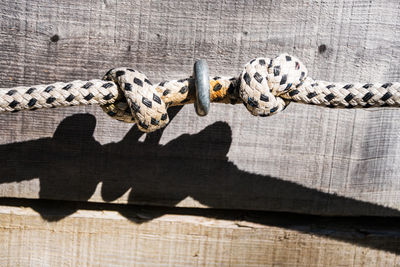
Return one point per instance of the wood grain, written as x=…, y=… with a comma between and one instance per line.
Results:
x=105, y=238
x=306, y=159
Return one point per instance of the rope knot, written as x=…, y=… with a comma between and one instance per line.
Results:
x=264, y=80
x=138, y=100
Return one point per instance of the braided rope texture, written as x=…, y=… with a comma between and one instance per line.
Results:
x=265, y=86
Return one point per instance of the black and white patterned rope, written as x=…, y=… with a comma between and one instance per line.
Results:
x=265, y=87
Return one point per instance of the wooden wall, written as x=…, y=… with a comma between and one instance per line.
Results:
x=306, y=160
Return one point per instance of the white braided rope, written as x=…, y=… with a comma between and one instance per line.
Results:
x=347, y=95
x=58, y=94
x=265, y=87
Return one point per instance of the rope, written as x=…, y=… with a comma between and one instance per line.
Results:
x=266, y=86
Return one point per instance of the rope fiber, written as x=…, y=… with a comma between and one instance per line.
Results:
x=266, y=86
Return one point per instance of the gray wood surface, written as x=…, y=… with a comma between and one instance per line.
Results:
x=306, y=159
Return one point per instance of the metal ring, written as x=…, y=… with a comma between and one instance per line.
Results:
x=202, y=85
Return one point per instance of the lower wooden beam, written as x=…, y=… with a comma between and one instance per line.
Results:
x=107, y=238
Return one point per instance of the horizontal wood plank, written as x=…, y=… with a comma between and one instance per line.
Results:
x=99, y=238
x=306, y=159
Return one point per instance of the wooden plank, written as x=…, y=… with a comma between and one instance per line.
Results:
x=98, y=238
x=306, y=159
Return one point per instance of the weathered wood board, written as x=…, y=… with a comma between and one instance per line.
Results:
x=105, y=238
x=306, y=159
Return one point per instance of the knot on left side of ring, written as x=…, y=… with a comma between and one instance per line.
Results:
x=138, y=101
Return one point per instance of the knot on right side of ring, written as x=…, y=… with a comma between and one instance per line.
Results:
x=263, y=80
